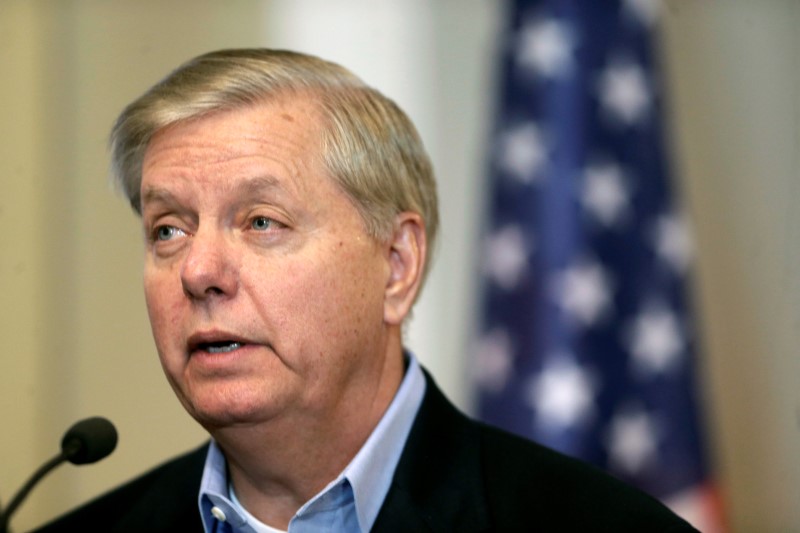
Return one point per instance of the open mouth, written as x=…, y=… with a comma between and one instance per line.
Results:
x=220, y=346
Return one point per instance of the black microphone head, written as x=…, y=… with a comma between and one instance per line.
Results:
x=89, y=440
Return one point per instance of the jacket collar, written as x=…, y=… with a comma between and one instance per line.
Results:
x=438, y=484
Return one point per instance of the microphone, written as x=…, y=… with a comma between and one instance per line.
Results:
x=88, y=441
x=85, y=442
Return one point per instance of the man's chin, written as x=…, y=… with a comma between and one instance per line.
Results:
x=215, y=411
x=238, y=401
x=214, y=419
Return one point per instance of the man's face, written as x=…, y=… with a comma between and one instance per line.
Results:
x=265, y=294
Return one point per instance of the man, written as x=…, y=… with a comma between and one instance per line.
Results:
x=289, y=213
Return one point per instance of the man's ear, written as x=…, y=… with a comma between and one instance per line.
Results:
x=407, y=251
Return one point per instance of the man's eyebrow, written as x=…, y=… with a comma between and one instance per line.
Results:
x=257, y=184
x=157, y=195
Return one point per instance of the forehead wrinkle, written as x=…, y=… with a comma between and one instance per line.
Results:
x=188, y=151
x=247, y=187
x=193, y=157
x=195, y=161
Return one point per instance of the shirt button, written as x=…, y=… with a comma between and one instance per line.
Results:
x=218, y=514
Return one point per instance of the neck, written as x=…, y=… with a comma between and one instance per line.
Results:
x=278, y=465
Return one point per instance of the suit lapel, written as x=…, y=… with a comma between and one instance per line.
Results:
x=438, y=484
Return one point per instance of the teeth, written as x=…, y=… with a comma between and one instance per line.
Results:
x=222, y=347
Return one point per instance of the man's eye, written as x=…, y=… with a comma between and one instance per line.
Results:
x=262, y=223
x=165, y=233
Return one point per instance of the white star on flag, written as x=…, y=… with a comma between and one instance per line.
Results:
x=624, y=92
x=494, y=360
x=645, y=11
x=522, y=152
x=673, y=242
x=546, y=47
x=562, y=395
x=656, y=340
x=633, y=440
x=605, y=194
x=506, y=256
x=584, y=291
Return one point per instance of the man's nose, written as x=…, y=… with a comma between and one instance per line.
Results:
x=209, y=269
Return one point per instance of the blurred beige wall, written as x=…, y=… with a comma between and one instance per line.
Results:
x=70, y=251
x=734, y=79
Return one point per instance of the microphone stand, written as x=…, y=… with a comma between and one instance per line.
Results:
x=43, y=470
x=85, y=442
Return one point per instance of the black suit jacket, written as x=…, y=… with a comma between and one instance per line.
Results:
x=454, y=475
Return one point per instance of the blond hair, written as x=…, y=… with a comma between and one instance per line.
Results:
x=370, y=147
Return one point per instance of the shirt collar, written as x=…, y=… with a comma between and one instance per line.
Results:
x=371, y=471
x=213, y=498
x=369, y=474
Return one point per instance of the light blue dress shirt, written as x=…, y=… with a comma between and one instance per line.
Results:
x=351, y=502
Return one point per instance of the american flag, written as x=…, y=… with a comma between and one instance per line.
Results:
x=587, y=343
